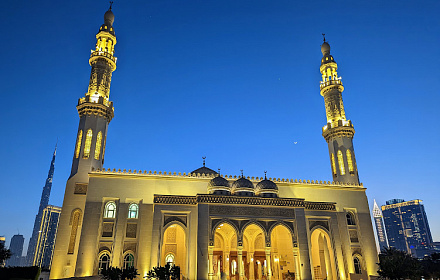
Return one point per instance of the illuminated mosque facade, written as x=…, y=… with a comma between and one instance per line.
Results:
x=211, y=225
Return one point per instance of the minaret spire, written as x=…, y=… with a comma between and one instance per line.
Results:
x=338, y=132
x=44, y=201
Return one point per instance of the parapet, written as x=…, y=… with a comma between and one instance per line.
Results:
x=170, y=174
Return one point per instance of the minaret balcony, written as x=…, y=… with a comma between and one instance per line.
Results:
x=103, y=54
x=96, y=99
x=330, y=83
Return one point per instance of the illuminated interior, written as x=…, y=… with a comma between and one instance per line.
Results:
x=322, y=256
x=98, y=145
x=88, y=143
x=174, y=247
x=78, y=144
x=341, y=163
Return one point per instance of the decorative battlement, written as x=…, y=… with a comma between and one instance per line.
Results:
x=257, y=201
x=97, y=54
x=341, y=129
x=210, y=176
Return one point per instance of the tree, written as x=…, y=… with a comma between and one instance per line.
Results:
x=431, y=266
x=164, y=272
x=398, y=265
x=115, y=273
x=4, y=254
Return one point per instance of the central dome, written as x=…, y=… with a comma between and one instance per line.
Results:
x=219, y=185
x=266, y=188
x=243, y=187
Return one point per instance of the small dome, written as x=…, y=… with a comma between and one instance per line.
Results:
x=266, y=188
x=325, y=48
x=218, y=182
x=242, y=185
x=109, y=17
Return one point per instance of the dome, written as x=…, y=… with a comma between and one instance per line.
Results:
x=266, y=187
x=219, y=185
x=325, y=48
x=109, y=17
x=242, y=185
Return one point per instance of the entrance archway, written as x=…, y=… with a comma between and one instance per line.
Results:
x=322, y=256
x=283, y=261
x=224, y=259
x=174, y=248
x=254, y=257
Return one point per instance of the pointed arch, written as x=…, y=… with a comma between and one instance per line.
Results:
x=332, y=157
x=98, y=145
x=78, y=143
x=341, y=163
x=75, y=222
x=350, y=162
x=88, y=143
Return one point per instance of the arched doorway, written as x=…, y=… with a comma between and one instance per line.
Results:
x=283, y=261
x=322, y=255
x=254, y=257
x=224, y=260
x=174, y=248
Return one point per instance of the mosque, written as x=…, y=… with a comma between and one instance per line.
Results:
x=209, y=224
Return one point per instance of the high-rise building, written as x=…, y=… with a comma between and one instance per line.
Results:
x=380, y=227
x=2, y=240
x=44, y=201
x=205, y=222
x=46, y=236
x=16, y=247
x=407, y=226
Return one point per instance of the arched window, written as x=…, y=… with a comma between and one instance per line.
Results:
x=133, y=210
x=98, y=145
x=128, y=261
x=75, y=219
x=341, y=163
x=104, y=262
x=350, y=219
x=110, y=210
x=357, y=266
x=170, y=258
x=88, y=143
x=350, y=162
x=78, y=144
x=333, y=164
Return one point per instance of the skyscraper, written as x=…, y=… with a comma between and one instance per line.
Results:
x=16, y=247
x=46, y=236
x=43, y=204
x=407, y=226
x=380, y=227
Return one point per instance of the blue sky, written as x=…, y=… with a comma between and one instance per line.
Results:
x=235, y=81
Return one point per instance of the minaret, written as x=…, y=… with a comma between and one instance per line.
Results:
x=95, y=109
x=380, y=227
x=339, y=131
x=95, y=112
x=44, y=201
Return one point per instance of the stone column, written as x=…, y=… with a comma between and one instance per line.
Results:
x=251, y=266
x=303, y=245
x=211, y=263
x=297, y=266
x=328, y=265
x=226, y=264
x=269, y=270
x=239, y=262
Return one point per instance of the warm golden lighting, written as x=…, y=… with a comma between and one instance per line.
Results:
x=98, y=145
x=74, y=222
x=350, y=162
x=88, y=143
x=333, y=164
x=78, y=143
x=341, y=163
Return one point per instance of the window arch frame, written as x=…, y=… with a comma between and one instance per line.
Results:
x=107, y=210
x=106, y=263
x=98, y=145
x=127, y=262
x=78, y=143
x=341, y=162
x=349, y=216
x=349, y=156
x=88, y=143
x=357, y=265
x=170, y=255
x=130, y=211
x=332, y=159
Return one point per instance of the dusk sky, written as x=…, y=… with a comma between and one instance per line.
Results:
x=235, y=81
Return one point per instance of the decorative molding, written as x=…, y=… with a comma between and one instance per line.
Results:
x=313, y=224
x=167, y=218
x=80, y=188
x=251, y=211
